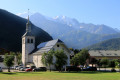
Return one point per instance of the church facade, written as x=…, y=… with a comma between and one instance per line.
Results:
x=31, y=56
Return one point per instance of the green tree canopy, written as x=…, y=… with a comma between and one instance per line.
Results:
x=9, y=60
x=104, y=62
x=112, y=63
x=75, y=60
x=93, y=60
x=19, y=58
x=61, y=59
x=80, y=58
x=47, y=58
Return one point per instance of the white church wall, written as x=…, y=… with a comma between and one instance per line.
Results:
x=30, y=58
x=37, y=56
x=27, y=48
x=23, y=50
x=37, y=60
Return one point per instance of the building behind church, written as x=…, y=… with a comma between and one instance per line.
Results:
x=109, y=54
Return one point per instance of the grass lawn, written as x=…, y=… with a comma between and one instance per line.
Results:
x=59, y=76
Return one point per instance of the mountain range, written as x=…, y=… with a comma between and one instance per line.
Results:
x=12, y=28
x=72, y=32
x=111, y=44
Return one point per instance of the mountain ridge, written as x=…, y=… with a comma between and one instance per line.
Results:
x=12, y=28
x=63, y=30
x=111, y=44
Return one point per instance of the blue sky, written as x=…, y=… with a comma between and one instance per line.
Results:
x=88, y=11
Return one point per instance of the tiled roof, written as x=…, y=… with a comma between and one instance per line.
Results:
x=107, y=53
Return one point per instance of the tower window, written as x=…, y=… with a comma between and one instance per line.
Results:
x=28, y=40
x=31, y=40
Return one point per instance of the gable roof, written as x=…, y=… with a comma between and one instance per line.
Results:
x=46, y=46
x=49, y=43
x=105, y=53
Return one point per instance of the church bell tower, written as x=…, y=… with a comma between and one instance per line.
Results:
x=28, y=43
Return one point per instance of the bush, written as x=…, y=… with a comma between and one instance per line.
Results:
x=72, y=68
x=43, y=68
x=113, y=70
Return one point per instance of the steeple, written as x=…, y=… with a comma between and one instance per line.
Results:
x=28, y=28
x=28, y=43
x=28, y=25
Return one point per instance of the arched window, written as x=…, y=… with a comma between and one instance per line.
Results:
x=31, y=40
x=28, y=40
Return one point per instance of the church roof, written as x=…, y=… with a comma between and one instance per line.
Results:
x=49, y=43
x=28, y=34
x=46, y=46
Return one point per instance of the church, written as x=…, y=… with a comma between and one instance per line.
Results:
x=31, y=56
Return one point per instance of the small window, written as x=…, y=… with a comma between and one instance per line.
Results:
x=57, y=45
x=28, y=40
x=31, y=40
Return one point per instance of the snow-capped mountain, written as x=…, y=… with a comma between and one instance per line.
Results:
x=68, y=21
x=71, y=31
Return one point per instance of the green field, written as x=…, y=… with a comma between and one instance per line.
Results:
x=59, y=76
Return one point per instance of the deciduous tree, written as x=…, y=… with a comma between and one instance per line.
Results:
x=93, y=60
x=47, y=59
x=19, y=58
x=104, y=62
x=80, y=58
x=61, y=59
x=9, y=60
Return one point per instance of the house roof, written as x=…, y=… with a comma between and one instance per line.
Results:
x=105, y=53
x=46, y=46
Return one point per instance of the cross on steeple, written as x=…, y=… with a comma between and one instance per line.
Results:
x=28, y=26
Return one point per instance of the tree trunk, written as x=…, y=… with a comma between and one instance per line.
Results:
x=8, y=69
x=105, y=68
x=92, y=64
x=50, y=68
x=99, y=68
